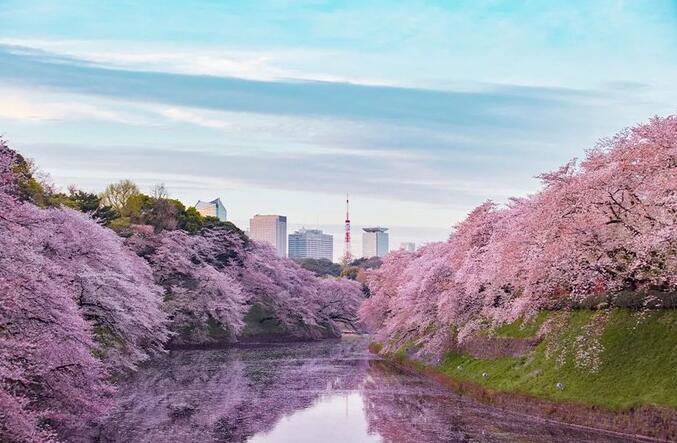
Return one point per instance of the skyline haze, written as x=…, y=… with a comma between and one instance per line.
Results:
x=421, y=111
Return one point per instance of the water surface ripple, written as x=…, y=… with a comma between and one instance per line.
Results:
x=328, y=391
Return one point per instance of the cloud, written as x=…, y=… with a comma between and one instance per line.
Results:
x=39, y=106
x=498, y=107
x=185, y=115
x=388, y=178
x=442, y=147
x=179, y=59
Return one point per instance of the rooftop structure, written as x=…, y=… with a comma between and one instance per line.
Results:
x=213, y=208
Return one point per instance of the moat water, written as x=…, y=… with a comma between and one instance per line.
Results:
x=332, y=391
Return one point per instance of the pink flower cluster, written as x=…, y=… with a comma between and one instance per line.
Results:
x=78, y=305
x=606, y=224
x=212, y=280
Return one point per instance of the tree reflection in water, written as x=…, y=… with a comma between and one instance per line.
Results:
x=405, y=407
x=230, y=395
x=290, y=392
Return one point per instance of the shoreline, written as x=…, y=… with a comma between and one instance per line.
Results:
x=254, y=342
x=648, y=423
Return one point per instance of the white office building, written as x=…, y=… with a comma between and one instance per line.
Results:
x=311, y=243
x=213, y=208
x=374, y=242
x=271, y=229
x=408, y=246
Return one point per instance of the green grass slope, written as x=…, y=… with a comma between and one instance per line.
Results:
x=635, y=363
x=520, y=329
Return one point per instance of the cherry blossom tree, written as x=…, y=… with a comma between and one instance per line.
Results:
x=48, y=375
x=221, y=287
x=76, y=307
x=338, y=302
x=299, y=303
x=599, y=226
x=384, y=283
x=203, y=297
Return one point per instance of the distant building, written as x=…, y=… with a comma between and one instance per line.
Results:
x=271, y=229
x=213, y=208
x=311, y=243
x=374, y=242
x=408, y=246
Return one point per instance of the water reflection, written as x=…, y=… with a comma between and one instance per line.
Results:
x=403, y=407
x=331, y=391
x=333, y=418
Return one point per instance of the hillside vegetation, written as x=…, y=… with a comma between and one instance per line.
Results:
x=559, y=304
x=93, y=286
x=600, y=233
x=631, y=362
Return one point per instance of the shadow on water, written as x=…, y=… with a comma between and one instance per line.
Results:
x=329, y=391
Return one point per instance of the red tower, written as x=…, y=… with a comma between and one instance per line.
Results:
x=347, y=255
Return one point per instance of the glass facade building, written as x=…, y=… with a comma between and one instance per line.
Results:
x=375, y=242
x=311, y=243
x=213, y=208
x=271, y=229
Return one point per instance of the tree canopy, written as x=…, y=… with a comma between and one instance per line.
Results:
x=602, y=226
x=82, y=305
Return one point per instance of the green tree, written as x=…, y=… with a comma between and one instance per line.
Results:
x=162, y=214
x=321, y=267
x=190, y=220
x=117, y=195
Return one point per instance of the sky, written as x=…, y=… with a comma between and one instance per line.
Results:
x=420, y=110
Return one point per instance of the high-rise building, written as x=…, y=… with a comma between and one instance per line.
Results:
x=408, y=246
x=213, y=208
x=311, y=243
x=374, y=242
x=271, y=229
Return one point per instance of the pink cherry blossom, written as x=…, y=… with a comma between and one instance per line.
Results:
x=606, y=224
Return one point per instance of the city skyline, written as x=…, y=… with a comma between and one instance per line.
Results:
x=398, y=234
x=424, y=113
x=402, y=235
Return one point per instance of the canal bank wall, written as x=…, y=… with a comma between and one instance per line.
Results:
x=614, y=370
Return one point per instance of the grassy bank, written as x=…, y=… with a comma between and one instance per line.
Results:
x=614, y=359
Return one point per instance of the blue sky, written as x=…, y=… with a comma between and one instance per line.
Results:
x=421, y=110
